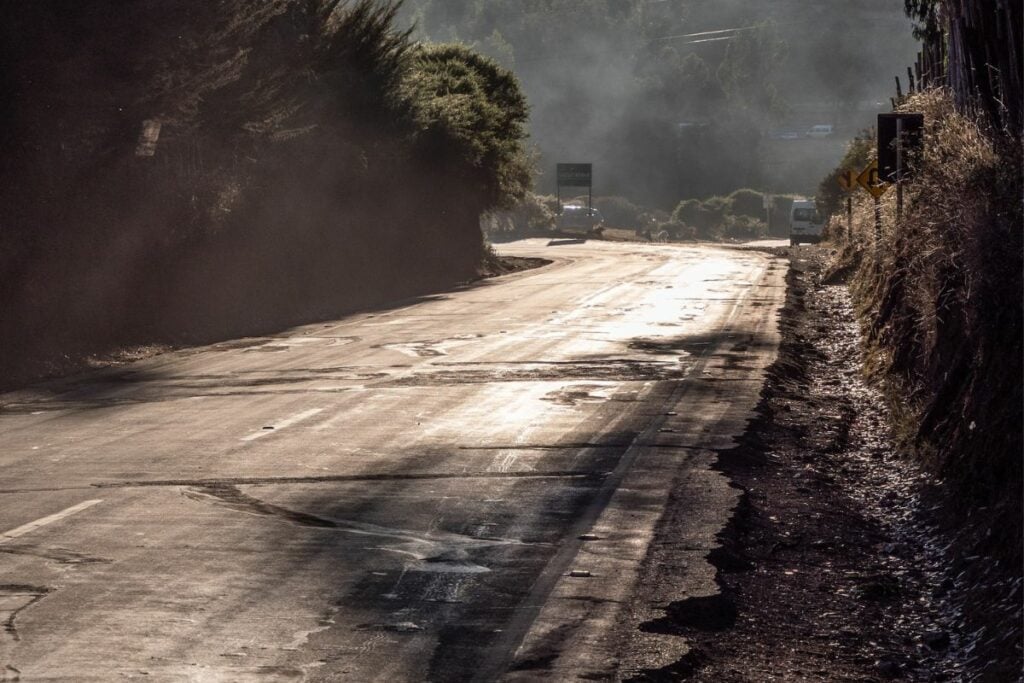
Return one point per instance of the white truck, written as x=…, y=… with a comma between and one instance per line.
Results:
x=805, y=224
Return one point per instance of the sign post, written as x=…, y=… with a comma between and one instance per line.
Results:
x=848, y=181
x=868, y=179
x=900, y=141
x=576, y=175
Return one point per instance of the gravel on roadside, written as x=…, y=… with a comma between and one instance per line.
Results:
x=838, y=564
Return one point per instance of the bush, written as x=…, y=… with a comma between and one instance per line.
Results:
x=747, y=203
x=744, y=227
x=532, y=214
x=739, y=215
x=705, y=218
x=655, y=216
x=831, y=197
x=268, y=200
x=717, y=207
x=677, y=230
x=691, y=212
x=620, y=212
x=470, y=108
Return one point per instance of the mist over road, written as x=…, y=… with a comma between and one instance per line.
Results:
x=462, y=485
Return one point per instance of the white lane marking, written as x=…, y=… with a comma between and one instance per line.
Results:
x=331, y=421
x=287, y=422
x=508, y=462
x=43, y=521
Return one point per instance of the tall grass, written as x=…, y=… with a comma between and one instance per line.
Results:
x=941, y=299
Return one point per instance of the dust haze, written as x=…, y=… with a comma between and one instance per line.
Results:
x=674, y=99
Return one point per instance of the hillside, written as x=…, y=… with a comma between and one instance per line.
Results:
x=174, y=172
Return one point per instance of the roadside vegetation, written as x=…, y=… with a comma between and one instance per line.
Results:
x=739, y=215
x=940, y=298
x=178, y=173
x=831, y=198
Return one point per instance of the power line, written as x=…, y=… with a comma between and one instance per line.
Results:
x=707, y=33
x=714, y=38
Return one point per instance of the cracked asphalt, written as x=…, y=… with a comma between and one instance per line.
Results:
x=461, y=486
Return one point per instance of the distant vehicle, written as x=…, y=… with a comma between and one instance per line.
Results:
x=578, y=217
x=820, y=131
x=784, y=135
x=805, y=224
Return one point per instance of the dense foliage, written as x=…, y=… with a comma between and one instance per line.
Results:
x=859, y=152
x=471, y=110
x=941, y=286
x=174, y=170
x=741, y=214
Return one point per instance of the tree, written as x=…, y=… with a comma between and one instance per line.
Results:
x=748, y=73
x=471, y=110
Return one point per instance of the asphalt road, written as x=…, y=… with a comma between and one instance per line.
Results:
x=459, y=487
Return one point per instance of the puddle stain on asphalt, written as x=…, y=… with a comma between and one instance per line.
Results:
x=580, y=393
x=58, y=555
x=611, y=369
x=430, y=349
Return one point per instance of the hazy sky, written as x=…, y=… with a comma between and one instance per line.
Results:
x=604, y=75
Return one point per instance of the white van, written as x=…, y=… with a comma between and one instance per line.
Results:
x=805, y=225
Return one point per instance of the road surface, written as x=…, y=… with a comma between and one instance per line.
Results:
x=458, y=487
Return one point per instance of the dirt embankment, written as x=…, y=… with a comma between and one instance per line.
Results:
x=842, y=562
x=940, y=293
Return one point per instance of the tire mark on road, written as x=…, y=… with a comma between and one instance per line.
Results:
x=433, y=551
x=330, y=478
x=14, y=599
x=58, y=555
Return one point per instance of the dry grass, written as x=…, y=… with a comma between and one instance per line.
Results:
x=940, y=298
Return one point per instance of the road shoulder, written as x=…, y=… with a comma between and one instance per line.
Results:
x=832, y=567
x=576, y=633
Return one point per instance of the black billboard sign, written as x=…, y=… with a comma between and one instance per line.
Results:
x=575, y=175
x=900, y=141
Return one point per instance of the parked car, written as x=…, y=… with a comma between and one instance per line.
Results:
x=574, y=216
x=823, y=130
